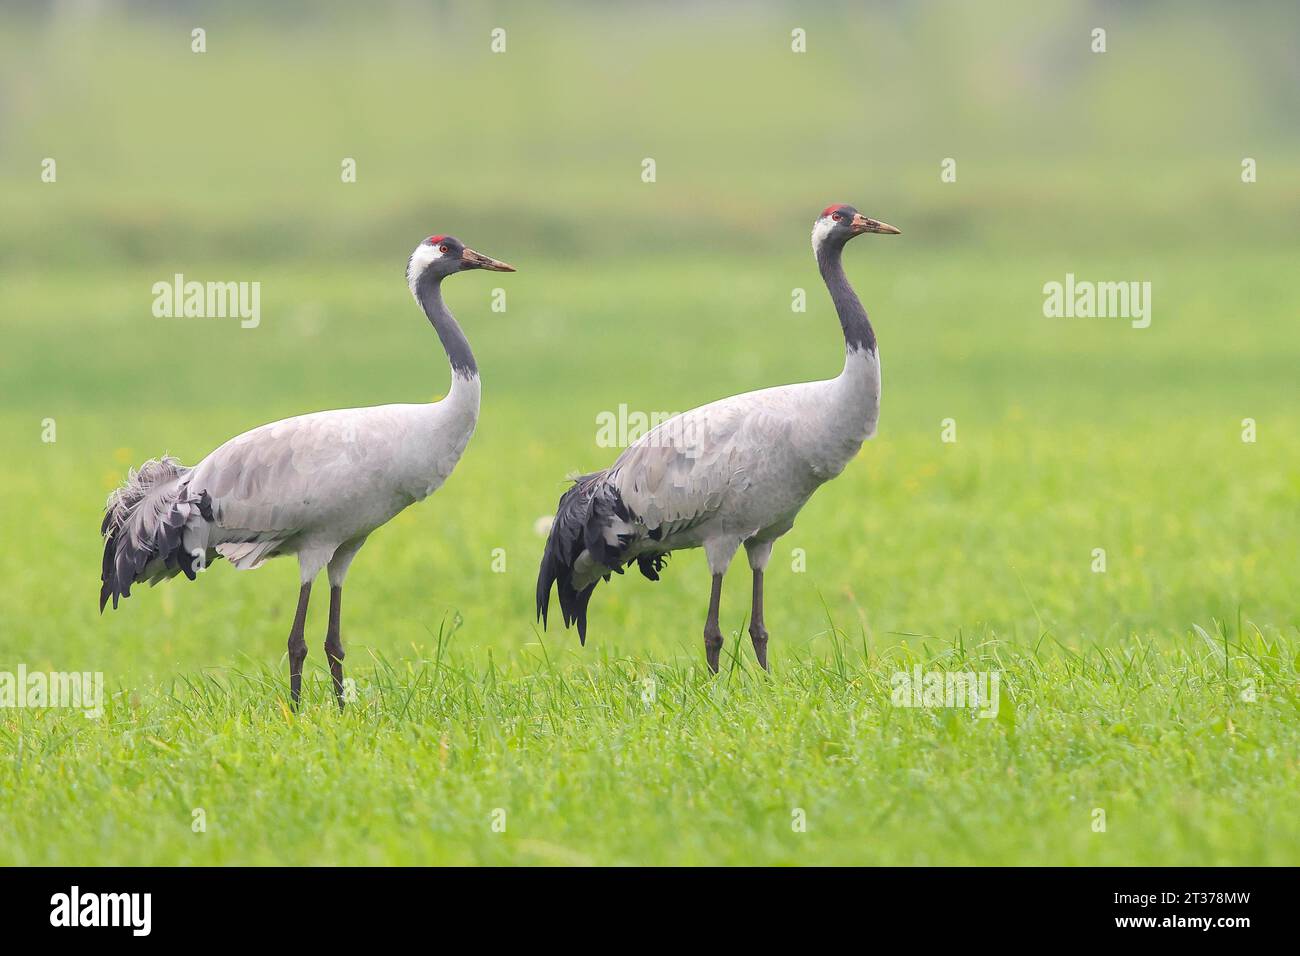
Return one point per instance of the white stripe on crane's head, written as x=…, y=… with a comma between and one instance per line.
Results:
x=425, y=254
x=821, y=229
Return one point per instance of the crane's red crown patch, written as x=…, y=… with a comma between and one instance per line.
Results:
x=831, y=208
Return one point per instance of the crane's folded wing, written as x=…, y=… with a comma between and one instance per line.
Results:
x=280, y=477
x=681, y=471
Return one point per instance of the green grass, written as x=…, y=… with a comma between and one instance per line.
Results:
x=1164, y=691
x=712, y=770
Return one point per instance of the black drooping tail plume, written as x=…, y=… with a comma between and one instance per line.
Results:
x=144, y=528
x=590, y=517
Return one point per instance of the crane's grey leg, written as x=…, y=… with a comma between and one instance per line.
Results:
x=758, y=557
x=338, y=571
x=757, y=631
x=334, y=644
x=712, y=630
x=298, y=644
x=719, y=552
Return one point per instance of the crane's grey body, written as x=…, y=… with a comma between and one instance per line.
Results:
x=737, y=471
x=314, y=486
x=734, y=472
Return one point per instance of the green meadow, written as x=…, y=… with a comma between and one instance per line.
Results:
x=1104, y=515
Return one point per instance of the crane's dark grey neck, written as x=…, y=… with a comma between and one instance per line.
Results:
x=858, y=333
x=428, y=290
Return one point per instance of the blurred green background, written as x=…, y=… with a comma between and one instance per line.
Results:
x=1073, y=434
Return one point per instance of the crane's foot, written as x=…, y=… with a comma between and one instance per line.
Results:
x=333, y=642
x=298, y=645
x=758, y=634
x=297, y=654
x=712, y=646
x=334, y=653
x=712, y=630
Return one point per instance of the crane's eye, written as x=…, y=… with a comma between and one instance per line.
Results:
x=443, y=249
x=836, y=216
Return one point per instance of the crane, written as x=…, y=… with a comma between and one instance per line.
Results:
x=731, y=473
x=314, y=486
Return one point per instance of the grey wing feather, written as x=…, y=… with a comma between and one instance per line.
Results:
x=154, y=526
x=682, y=471
x=274, y=481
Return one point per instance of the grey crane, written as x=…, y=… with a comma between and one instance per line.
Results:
x=731, y=473
x=314, y=486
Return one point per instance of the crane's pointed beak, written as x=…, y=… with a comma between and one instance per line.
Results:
x=476, y=260
x=862, y=224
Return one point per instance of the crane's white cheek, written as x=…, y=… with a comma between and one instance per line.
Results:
x=424, y=255
x=821, y=229
x=421, y=258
